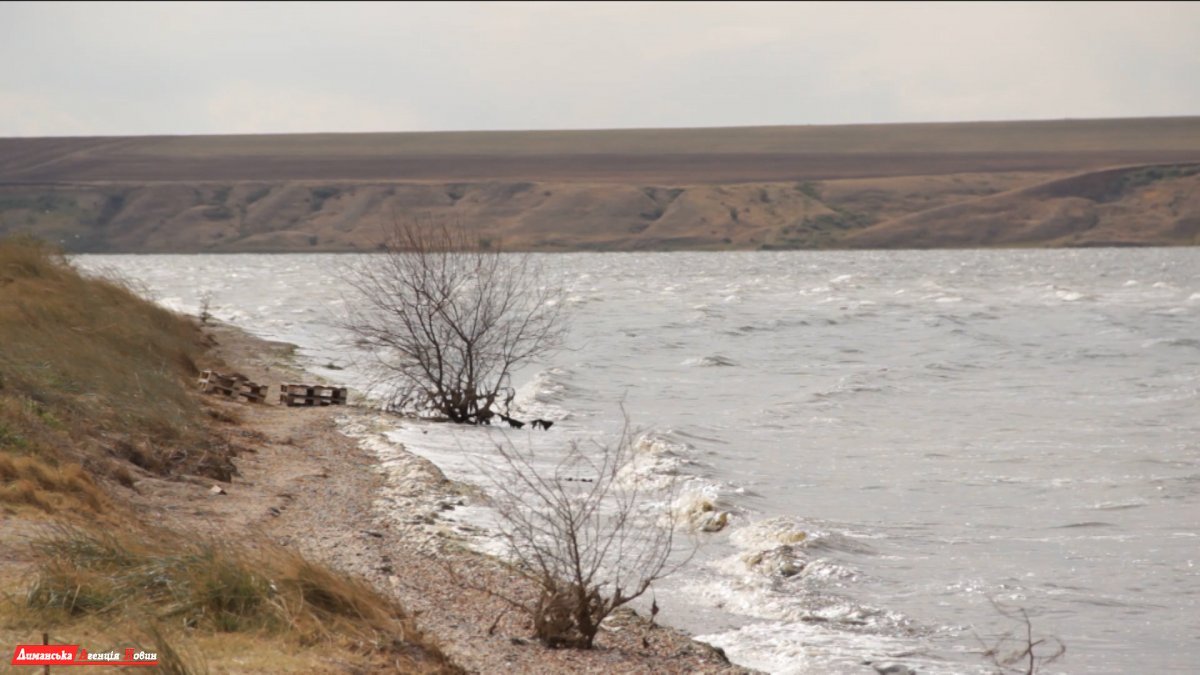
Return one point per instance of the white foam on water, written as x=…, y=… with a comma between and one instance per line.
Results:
x=768, y=533
x=543, y=396
x=779, y=572
x=177, y=304
x=656, y=461
x=474, y=524
x=807, y=648
x=700, y=507
x=714, y=360
x=578, y=299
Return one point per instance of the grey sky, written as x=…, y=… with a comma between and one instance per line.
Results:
x=180, y=68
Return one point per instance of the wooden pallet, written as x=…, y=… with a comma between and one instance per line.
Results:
x=311, y=395
x=233, y=386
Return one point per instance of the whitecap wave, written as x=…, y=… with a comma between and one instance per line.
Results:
x=768, y=533
x=543, y=396
x=713, y=361
x=699, y=507
x=655, y=461
x=1171, y=342
x=794, y=648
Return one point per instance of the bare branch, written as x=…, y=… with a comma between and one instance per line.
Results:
x=1017, y=651
x=585, y=534
x=446, y=321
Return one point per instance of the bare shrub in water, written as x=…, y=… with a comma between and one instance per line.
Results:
x=1018, y=650
x=446, y=319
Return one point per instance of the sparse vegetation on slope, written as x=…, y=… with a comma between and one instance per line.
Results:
x=91, y=384
x=96, y=402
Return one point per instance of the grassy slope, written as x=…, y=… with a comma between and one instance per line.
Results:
x=739, y=188
x=94, y=388
x=90, y=376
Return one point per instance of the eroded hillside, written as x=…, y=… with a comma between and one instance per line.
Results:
x=1060, y=183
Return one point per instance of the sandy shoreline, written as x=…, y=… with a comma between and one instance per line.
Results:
x=310, y=487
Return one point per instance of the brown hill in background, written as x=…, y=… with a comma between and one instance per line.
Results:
x=1116, y=207
x=1048, y=183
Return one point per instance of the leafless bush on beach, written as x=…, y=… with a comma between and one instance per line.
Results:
x=588, y=535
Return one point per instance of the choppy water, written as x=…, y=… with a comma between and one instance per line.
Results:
x=946, y=427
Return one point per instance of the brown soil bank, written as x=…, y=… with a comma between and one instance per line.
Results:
x=901, y=185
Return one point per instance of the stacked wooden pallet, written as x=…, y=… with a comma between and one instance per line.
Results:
x=311, y=394
x=233, y=386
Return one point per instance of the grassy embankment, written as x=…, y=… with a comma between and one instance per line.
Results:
x=94, y=392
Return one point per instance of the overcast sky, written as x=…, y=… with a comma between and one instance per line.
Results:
x=180, y=68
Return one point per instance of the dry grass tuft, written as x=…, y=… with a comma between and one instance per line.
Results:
x=173, y=657
x=34, y=482
x=213, y=587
